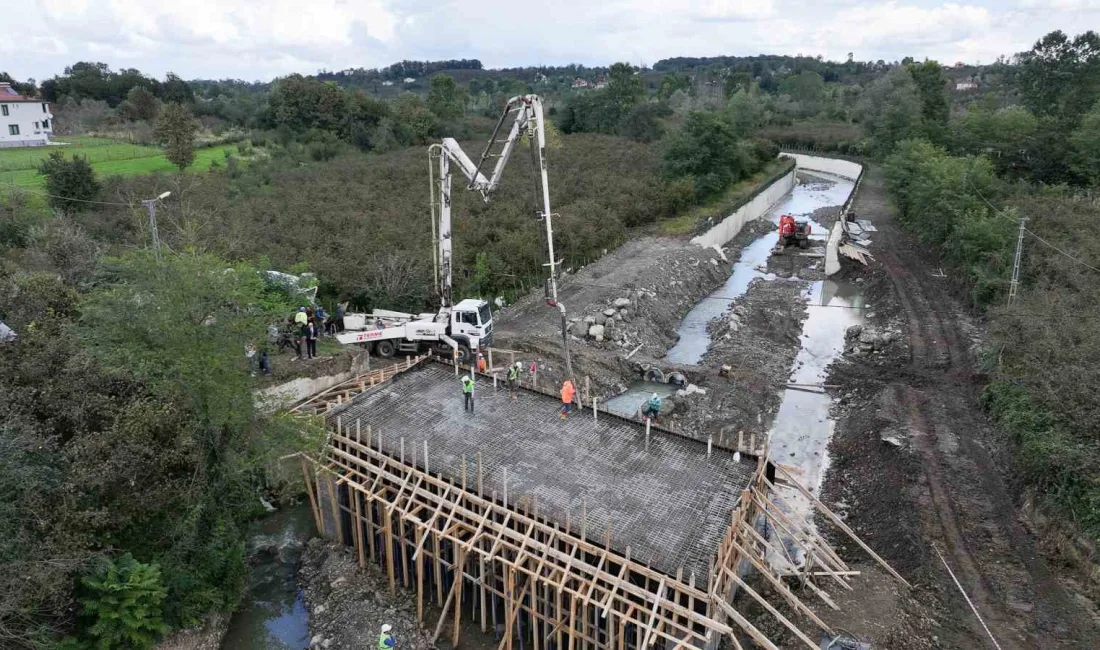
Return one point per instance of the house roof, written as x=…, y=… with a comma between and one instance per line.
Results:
x=8, y=94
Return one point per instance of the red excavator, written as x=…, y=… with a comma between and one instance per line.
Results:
x=793, y=232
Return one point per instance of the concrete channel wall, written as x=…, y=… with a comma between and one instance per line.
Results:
x=835, y=166
x=728, y=228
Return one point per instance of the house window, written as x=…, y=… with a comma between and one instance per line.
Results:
x=45, y=124
x=45, y=108
x=4, y=110
x=13, y=129
x=37, y=126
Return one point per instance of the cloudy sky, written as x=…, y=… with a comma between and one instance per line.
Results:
x=261, y=39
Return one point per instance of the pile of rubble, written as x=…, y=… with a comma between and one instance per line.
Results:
x=864, y=340
x=607, y=325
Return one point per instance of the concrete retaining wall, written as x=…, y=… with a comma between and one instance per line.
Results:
x=845, y=168
x=728, y=228
x=274, y=397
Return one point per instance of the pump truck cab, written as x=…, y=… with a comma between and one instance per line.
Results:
x=793, y=232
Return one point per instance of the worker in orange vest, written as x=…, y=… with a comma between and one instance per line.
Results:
x=568, y=392
x=481, y=365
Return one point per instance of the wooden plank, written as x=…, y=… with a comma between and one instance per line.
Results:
x=745, y=625
x=785, y=591
x=775, y=612
x=458, y=578
x=653, y=615
x=419, y=579
x=844, y=527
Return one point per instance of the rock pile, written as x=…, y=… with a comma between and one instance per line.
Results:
x=864, y=340
x=607, y=325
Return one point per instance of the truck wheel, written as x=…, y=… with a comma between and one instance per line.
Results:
x=464, y=354
x=385, y=349
x=804, y=243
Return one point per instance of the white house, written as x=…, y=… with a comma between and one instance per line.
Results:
x=966, y=85
x=24, y=121
x=410, y=80
x=387, y=82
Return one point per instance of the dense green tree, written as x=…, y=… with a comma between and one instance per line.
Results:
x=643, y=122
x=891, y=110
x=1060, y=77
x=705, y=150
x=806, y=88
x=175, y=130
x=672, y=82
x=746, y=111
x=70, y=182
x=446, y=98
x=123, y=605
x=932, y=88
x=176, y=90
x=422, y=123
x=625, y=88
x=140, y=104
x=1085, y=159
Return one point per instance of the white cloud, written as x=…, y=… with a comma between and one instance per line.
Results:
x=260, y=39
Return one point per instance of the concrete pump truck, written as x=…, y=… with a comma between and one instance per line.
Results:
x=462, y=329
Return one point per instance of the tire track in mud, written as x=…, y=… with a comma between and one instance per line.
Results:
x=992, y=555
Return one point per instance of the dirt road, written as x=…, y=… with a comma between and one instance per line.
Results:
x=945, y=486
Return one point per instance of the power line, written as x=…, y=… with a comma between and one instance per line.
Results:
x=1081, y=262
x=70, y=198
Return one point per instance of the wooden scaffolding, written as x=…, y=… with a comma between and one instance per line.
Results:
x=499, y=563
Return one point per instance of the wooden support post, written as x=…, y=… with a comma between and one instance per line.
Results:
x=572, y=621
x=841, y=525
x=438, y=569
x=320, y=512
x=460, y=562
x=587, y=389
x=358, y=523
x=653, y=615
x=445, y=608
x=774, y=612
x=334, y=490
x=534, y=615
x=387, y=542
x=756, y=634
x=312, y=497
x=595, y=409
x=404, y=552
x=420, y=533
x=484, y=605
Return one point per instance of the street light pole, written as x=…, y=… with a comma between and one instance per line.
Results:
x=151, y=206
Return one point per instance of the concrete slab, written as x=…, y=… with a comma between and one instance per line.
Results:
x=671, y=504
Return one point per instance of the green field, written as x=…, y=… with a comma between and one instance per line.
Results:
x=96, y=149
x=108, y=158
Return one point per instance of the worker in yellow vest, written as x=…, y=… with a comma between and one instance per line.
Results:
x=385, y=639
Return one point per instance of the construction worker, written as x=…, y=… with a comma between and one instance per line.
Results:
x=513, y=378
x=468, y=393
x=385, y=639
x=481, y=365
x=568, y=392
x=301, y=322
x=652, y=407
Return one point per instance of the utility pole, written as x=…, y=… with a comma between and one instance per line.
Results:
x=151, y=206
x=1014, y=284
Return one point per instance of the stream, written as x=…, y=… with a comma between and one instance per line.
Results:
x=273, y=614
x=802, y=427
x=809, y=195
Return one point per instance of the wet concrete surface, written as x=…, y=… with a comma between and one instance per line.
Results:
x=666, y=500
x=629, y=403
x=273, y=615
x=814, y=191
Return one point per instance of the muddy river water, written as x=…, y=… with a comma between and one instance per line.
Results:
x=802, y=428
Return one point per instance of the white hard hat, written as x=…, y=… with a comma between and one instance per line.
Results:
x=386, y=627
x=655, y=396
x=465, y=377
x=519, y=364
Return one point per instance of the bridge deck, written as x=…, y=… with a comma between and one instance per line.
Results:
x=670, y=504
